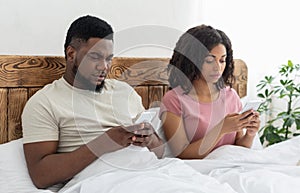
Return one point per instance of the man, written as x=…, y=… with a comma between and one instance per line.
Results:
x=70, y=123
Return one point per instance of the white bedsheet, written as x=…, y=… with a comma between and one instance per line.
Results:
x=135, y=169
x=227, y=169
x=271, y=170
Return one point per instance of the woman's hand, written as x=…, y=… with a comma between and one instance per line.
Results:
x=254, y=124
x=236, y=122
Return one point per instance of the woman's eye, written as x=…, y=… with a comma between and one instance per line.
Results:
x=209, y=61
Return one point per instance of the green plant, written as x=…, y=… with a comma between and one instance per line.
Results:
x=284, y=124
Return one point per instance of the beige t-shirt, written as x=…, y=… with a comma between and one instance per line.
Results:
x=72, y=116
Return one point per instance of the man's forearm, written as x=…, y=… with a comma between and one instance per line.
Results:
x=47, y=168
x=59, y=167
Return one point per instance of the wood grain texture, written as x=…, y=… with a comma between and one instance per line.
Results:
x=22, y=76
x=30, y=71
x=140, y=71
x=17, y=98
x=3, y=115
x=143, y=91
x=155, y=95
x=241, y=77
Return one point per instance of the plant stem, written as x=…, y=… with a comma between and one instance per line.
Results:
x=289, y=108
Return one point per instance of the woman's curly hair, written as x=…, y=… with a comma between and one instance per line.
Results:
x=189, y=54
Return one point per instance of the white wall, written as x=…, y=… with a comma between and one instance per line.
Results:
x=264, y=33
x=38, y=27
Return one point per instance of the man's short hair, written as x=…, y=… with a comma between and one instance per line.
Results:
x=87, y=27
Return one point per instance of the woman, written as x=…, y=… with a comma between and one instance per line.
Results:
x=201, y=112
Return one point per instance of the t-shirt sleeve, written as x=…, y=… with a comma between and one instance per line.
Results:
x=170, y=103
x=38, y=123
x=235, y=100
x=135, y=104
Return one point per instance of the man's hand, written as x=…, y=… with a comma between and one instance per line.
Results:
x=145, y=136
x=121, y=136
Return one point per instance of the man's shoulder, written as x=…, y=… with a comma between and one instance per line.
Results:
x=114, y=83
x=48, y=89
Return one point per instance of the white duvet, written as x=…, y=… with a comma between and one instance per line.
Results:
x=228, y=169
x=271, y=170
x=135, y=169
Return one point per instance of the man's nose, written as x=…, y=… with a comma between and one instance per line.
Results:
x=102, y=65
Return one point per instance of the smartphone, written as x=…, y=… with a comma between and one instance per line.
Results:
x=146, y=116
x=253, y=104
x=139, y=131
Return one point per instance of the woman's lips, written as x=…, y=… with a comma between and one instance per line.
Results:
x=215, y=76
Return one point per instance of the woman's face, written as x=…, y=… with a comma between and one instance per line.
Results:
x=214, y=64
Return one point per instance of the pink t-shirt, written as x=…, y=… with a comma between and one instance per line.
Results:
x=198, y=117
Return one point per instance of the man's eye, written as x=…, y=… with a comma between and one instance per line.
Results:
x=94, y=56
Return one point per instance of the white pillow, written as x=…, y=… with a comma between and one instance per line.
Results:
x=14, y=175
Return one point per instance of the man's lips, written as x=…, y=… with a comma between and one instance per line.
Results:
x=100, y=77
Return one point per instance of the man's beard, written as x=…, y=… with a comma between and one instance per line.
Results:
x=97, y=88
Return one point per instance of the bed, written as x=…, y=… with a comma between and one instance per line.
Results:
x=228, y=169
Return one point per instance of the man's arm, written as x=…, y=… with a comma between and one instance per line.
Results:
x=47, y=167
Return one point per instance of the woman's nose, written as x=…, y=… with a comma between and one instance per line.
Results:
x=217, y=65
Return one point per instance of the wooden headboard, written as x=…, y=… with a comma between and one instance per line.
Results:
x=22, y=76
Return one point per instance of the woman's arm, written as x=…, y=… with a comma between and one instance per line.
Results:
x=180, y=145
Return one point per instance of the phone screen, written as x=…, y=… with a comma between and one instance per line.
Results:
x=146, y=116
x=251, y=105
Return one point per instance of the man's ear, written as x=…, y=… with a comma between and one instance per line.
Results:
x=70, y=53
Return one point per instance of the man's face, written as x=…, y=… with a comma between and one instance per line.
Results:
x=92, y=62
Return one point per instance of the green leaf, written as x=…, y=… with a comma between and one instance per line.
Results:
x=286, y=90
x=260, y=95
x=273, y=138
x=297, y=121
x=267, y=92
x=283, y=82
x=290, y=63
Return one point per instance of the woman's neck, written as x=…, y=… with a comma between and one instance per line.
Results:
x=205, y=92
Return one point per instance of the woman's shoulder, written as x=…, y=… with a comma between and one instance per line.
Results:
x=230, y=92
x=175, y=92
